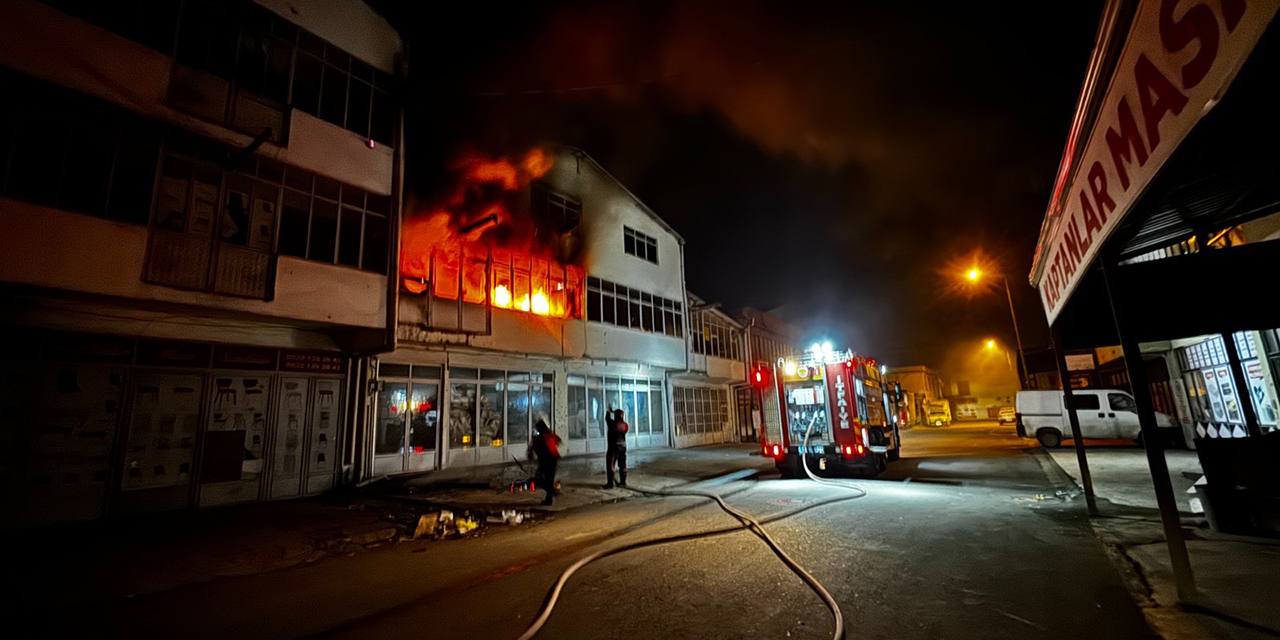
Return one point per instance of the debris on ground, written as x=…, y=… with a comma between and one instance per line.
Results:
x=466, y=525
x=444, y=523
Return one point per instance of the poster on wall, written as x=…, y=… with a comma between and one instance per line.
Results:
x=238, y=417
x=1215, y=397
x=1263, y=403
x=289, y=428
x=1229, y=399
x=324, y=427
x=1180, y=402
x=162, y=431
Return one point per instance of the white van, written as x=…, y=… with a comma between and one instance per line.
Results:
x=1103, y=413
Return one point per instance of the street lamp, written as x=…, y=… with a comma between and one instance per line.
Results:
x=975, y=275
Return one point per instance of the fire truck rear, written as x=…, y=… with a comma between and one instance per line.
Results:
x=830, y=406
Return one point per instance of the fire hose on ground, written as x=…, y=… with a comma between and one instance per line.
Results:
x=745, y=521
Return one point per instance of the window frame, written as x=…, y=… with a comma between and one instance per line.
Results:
x=639, y=244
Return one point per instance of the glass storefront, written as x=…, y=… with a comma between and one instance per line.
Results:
x=1211, y=385
x=407, y=426
x=486, y=416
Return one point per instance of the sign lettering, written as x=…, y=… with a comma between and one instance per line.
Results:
x=1177, y=61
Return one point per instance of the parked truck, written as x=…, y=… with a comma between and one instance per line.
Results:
x=937, y=413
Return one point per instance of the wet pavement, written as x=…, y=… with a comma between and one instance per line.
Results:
x=965, y=537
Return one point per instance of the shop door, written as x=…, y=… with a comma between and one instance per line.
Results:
x=389, y=431
x=424, y=426
x=323, y=433
x=233, y=452
x=742, y=406
x=407, y=427
x=159, y=453
x=289, y=438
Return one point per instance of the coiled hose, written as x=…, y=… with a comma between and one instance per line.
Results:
x=745, y=521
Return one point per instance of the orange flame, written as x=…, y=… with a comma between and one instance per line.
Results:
x=480, y=251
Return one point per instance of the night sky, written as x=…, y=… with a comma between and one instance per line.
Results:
x=830, y=161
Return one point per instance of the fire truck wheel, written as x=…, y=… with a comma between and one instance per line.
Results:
x=895, y=454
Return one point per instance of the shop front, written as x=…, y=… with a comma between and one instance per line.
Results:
x=98, y=425
x=702, y=415
x=1159, y=229
x=482, y=410
x=1210, y=383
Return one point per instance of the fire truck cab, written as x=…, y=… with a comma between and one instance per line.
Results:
x=840, y=401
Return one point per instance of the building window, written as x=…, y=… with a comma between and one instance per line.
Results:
x=259, y=53
x=73, y=152
x=334, y=223
x=700, y=410
x=641, y=402
x=640, y=245
x=493, y=408
x=215, y=229
x=556, y=211
x=630, y=308
x=220, y=226
x=713, y=336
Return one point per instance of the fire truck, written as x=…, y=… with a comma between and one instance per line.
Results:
x=837, y=399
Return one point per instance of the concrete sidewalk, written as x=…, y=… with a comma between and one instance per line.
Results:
x=124, y=558
x=1238, y=578
x=1122, y=477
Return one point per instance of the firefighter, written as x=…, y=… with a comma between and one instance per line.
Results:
x=616, y=447
x=546, y=446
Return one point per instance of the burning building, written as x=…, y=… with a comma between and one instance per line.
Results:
x=538, y=287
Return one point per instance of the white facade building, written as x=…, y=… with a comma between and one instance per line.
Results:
x=708, y=407
x=467, y=382
x=200, y=207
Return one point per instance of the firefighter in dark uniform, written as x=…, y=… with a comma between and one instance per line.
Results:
x=546, y=447
x=616, y=447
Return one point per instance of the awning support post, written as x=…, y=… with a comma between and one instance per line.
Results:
x=1183, y=576
x=1069, y=402
x=1243, y=394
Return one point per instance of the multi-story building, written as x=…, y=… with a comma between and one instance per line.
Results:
x=707, y=405
x=920, y=385
x=200, y=209
x=541, y=288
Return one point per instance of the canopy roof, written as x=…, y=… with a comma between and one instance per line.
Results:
x=1164, y=66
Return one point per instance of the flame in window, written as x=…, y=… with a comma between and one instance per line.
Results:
x=480, y=246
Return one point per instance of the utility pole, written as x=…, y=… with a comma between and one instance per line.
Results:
x=1017, y=335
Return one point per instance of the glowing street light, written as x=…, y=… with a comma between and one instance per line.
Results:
x=974, y=275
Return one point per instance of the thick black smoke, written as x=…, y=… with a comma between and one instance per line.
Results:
x=828, y=160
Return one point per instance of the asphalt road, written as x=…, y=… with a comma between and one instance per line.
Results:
x=963, y=538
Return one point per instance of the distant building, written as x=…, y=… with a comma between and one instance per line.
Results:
x=920, y=386
x=199, y=204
